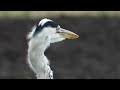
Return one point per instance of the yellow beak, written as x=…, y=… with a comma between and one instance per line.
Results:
x=68, y=34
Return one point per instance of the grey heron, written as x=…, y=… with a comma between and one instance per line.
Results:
x=42, y=35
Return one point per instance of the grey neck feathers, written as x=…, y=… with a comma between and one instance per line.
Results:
x=36, y=58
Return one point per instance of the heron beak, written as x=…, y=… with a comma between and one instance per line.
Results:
x=68, y=34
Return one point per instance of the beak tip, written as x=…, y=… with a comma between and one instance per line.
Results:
x=74, y=37
x=69, y=35
x=77, y=36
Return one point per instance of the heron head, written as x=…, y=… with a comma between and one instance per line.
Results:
x=49, y=28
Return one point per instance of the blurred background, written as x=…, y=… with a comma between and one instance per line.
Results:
x=95, y=55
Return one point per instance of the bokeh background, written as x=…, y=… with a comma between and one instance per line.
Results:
x=95, y=55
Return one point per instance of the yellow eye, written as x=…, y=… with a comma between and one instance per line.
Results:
x=58, y=29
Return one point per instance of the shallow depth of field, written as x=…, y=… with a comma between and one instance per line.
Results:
x=95, y=55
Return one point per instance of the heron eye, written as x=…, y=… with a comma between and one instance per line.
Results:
x=58, y=29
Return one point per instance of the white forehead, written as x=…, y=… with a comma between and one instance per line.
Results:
x=43, y=21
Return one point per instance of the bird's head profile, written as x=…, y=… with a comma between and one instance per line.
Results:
x=40, y=38
x=49, y=28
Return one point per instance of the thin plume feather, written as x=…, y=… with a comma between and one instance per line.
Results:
x=30, y=34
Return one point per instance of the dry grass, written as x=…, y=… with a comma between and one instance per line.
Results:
x=39, y=14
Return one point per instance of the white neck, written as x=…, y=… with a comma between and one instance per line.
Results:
x=36, y=58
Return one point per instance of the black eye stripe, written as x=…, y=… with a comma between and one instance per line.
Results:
x=47, y=24
x=50, y=24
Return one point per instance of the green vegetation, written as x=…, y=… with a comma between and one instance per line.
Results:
x=39, y=14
